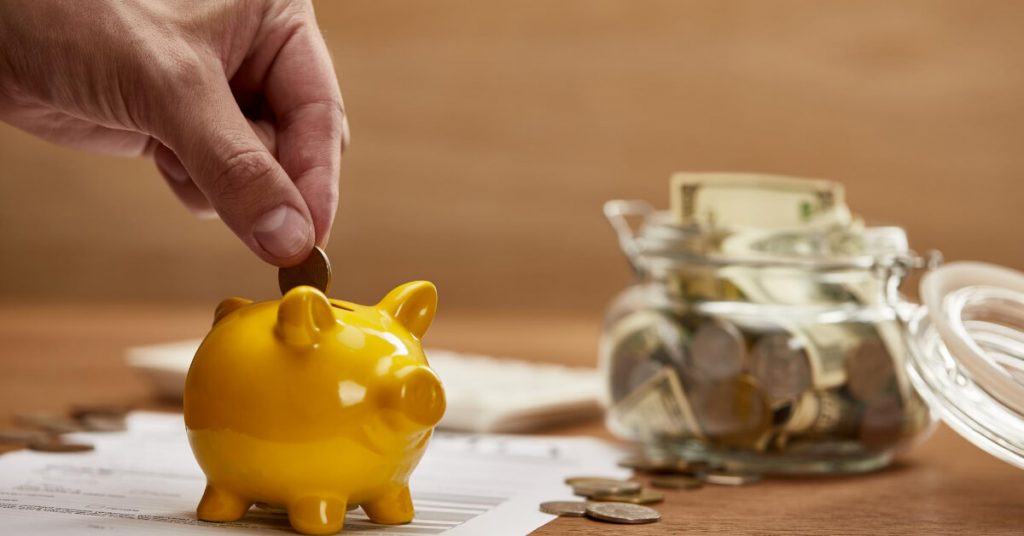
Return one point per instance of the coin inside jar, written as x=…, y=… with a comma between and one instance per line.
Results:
x=314, y=271
x=882, y=423
x=870, y=372
x=781, y=366
x=734, y=413
x=718, y=350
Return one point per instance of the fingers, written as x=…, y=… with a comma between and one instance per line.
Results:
x=232, y=168
x=302, y=91
x=181, y=182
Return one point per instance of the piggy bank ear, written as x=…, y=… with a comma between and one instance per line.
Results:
x=303, y=316
x=412, y=304
x=227, y=307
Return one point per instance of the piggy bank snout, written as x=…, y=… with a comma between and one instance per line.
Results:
x=417, y=395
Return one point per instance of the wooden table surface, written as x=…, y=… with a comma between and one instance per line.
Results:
x=52, y=356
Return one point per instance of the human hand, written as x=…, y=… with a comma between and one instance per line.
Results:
x=236, y=101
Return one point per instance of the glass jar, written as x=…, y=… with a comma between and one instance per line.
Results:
x=773, y=343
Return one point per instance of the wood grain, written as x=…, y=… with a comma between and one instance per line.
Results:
x=55, y=356
x=486, y=135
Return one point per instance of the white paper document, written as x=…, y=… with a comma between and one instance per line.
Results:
x=145, y=481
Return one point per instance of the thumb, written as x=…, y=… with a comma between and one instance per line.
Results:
x=243, y=182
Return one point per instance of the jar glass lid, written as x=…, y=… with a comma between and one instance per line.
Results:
x=967, y=353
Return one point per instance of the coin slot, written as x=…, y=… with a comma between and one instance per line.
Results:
x=342, y=307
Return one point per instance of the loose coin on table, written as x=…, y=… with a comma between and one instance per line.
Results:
x=657, y=465
x=725, y=478
x=56, y=445
x=573, y=480
x=315, y=271
x=677, y=482
x=21, y=437
x=56, y=424
x=588, y=488
x=644, y=496
x=630, y=514
x=564, y=508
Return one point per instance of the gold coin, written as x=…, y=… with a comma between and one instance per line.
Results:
x=588, y=488
x=564, y=508
x=656, y=465
x=21, y=437
x=615, y=512
x=677, y=482
x=574, y=480
x=644, y=496
x=724, y=478
x=56, y=424
x=315, y=272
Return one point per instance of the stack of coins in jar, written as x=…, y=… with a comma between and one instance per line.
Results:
x=761, y=329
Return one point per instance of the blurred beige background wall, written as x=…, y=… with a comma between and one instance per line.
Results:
x=486, y=135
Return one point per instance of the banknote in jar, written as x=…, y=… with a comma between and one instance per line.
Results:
x=640, y=345
x=824, y=413
x=657, y=409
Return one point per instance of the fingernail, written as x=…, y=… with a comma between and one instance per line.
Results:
x=282, y=232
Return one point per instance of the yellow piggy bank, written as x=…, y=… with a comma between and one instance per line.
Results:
x=313, y=405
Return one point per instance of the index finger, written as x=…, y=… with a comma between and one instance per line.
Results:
x=302, y=91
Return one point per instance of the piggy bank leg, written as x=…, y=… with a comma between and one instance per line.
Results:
x=317, y=515
x=394, y=508
x=218, y=504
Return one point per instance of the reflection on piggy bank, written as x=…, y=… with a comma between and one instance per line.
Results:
x=313, y=405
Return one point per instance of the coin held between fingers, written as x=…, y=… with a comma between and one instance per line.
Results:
x=314, y=271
